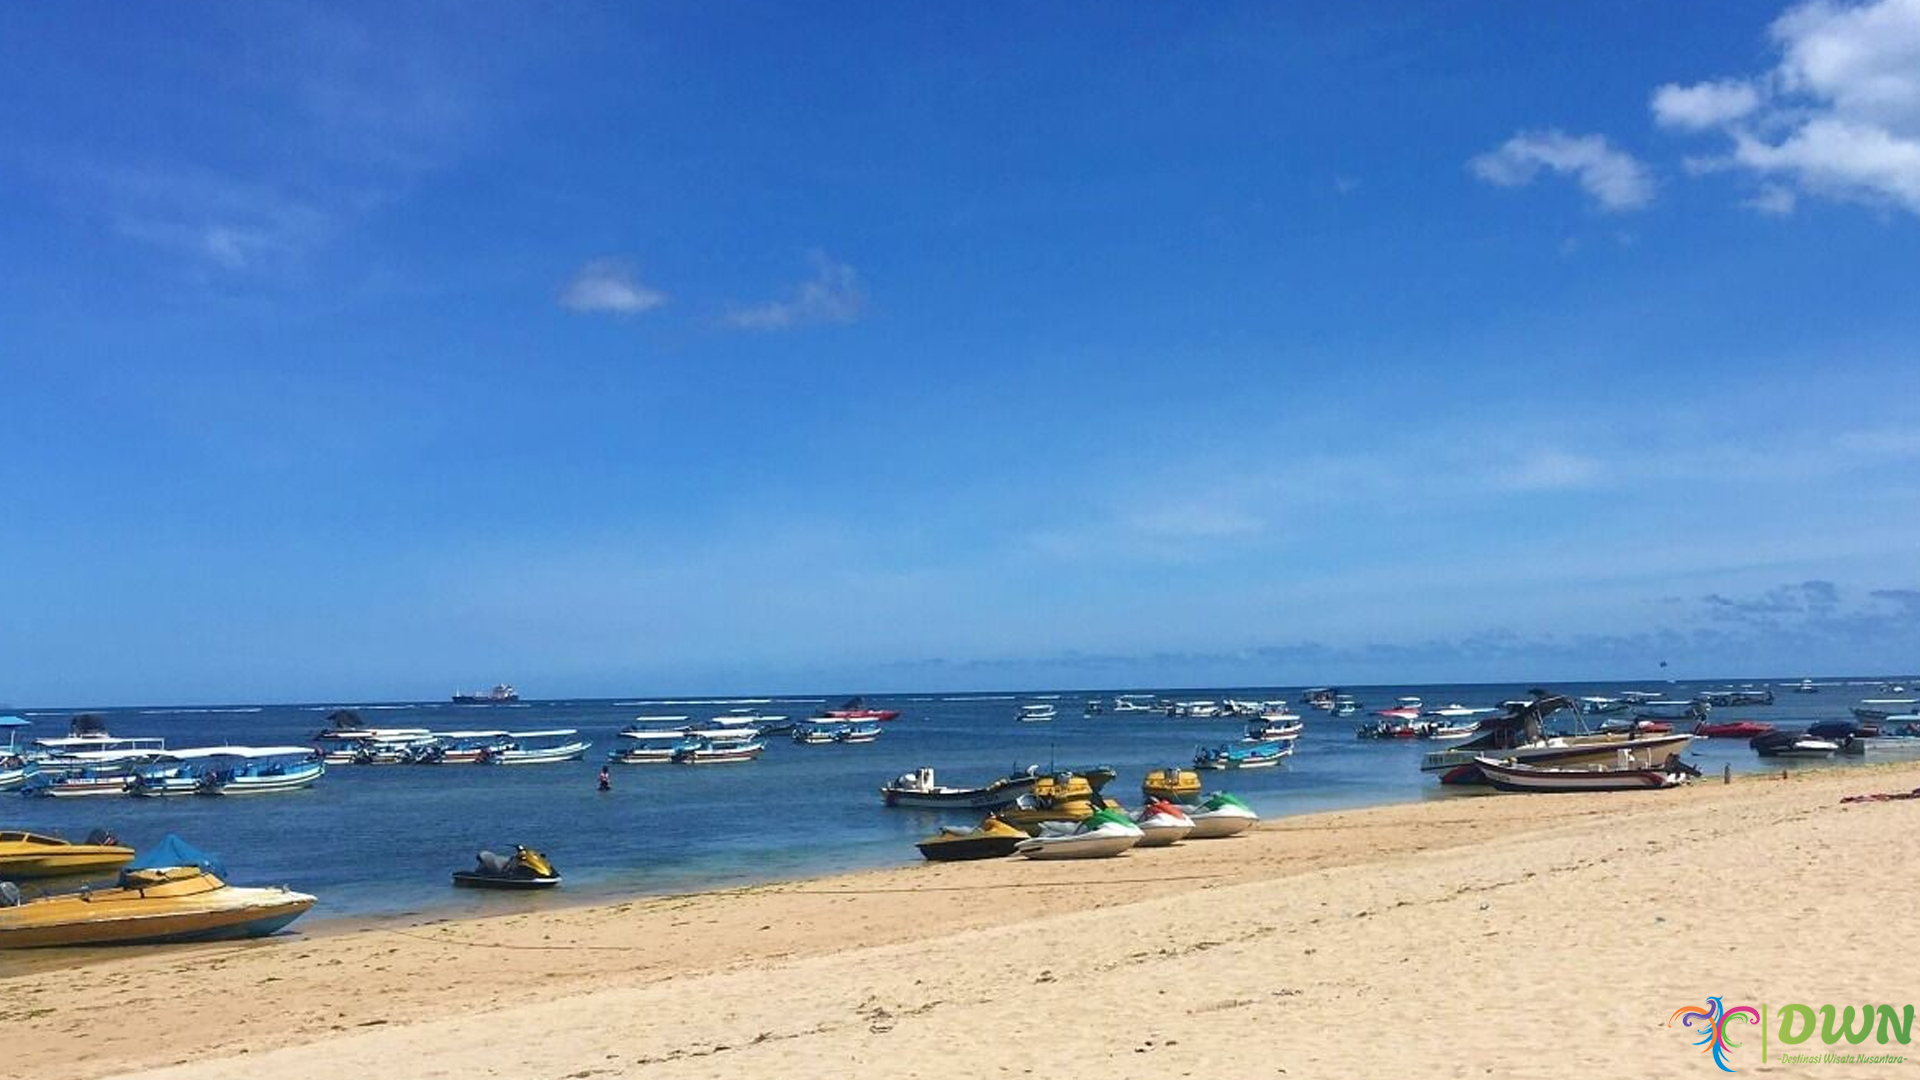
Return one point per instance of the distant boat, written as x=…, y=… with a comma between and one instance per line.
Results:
x=856, y=709
x=1035, y=714
x=499, y=695
x=1736, y=698
x=1792, y=744
x=1881, y=708
x=1733, y=729
x=1132, y=703
x=706, y=751
x=1805, y=686
x=1602, y=705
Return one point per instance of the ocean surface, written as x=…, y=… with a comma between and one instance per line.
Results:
x=377, y=841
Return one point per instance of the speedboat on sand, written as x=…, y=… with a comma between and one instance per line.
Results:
x=1162, y=823
x=991, y=839
x=172, y=894
x=1221, y=815
x=1513, y=776
x=524, y=869
x=1102, y=836
x=33, y=855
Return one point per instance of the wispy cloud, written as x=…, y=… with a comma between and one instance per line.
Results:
x=1837, y=116
x=610, y=287
x=832, y=295
x=1615, y=179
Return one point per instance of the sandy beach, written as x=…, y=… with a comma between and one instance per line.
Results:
x=1463, y=936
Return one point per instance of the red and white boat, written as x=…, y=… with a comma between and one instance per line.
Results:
x=856, y=709
x=1406, y=708
x=1733, y=729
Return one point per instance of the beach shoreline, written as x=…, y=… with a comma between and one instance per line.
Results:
x=798, y=973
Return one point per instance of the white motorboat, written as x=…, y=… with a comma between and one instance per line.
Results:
x=815, y=734
x=1521, y=735
x=1220, y=815
x=1602, y=705
x=1103, y=835
x=857, y=733
x=1162, y=823
x=1134, y=703
x=372, y=746
x=1035, y=714
x=919, y=789
x=1265, y=730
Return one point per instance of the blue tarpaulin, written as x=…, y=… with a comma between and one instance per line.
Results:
x=15, y=721
x=173, y=851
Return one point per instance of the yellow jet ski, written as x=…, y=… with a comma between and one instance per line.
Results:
x=31, y=855
x=524, y=869
x=993, y=839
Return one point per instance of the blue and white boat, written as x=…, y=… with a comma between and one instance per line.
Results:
x=857, y=733
x=539, y=748
x=1228, y=756
x=259, y=770
x=706, y=750
x=13, y=764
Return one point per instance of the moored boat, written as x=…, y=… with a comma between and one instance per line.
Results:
x=920, y=789
x=705, y=750
x=1061, y=797
x=1732, y=729
x=857, y=733
x=1872, y=709
x=1258, y=756
x=537, y=748
x=1175, y=785
x=35, y=855
x=1035, y=714
x=1793, y=744
x=857, y=709
x=1264, y=730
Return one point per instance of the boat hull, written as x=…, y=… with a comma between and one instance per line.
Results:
x=243, y=913
x=968, y=848
x=1504, y=777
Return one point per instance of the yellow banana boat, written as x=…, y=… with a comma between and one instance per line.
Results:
x=161, y=905
x=31, y=855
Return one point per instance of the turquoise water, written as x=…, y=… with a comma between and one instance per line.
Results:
x=378, y=841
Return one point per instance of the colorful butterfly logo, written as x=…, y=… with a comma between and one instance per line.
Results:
x=1713, y=1018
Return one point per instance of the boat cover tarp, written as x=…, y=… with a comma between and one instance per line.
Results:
x=173, y=851
x=15, y=721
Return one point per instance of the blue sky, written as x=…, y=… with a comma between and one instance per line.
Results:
x=614, y=349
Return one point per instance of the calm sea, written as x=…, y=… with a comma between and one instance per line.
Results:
x=379, y=841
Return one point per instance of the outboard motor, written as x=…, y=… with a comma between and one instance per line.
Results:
x=102, y=838
x=9, y=894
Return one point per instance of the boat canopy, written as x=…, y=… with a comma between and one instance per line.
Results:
x=173, y=851
x=15, y=721
x=1522, y=724
x=194, y=753
x=469, y=734
x=100, y=743
x=114, y=757
x=556, y=733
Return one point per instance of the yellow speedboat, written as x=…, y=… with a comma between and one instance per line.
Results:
x=1066, y=797
x=31, y=855
x=150, y=906
x=1173, y=785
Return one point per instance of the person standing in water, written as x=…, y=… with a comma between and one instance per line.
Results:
x=606, y=779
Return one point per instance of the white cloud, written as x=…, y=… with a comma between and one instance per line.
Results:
x=1704, y=105
x=609, y=286
x=1549, y=470
x=832, y=295
x=1838, y=116
x=1773, y=200
x=1615, y=179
